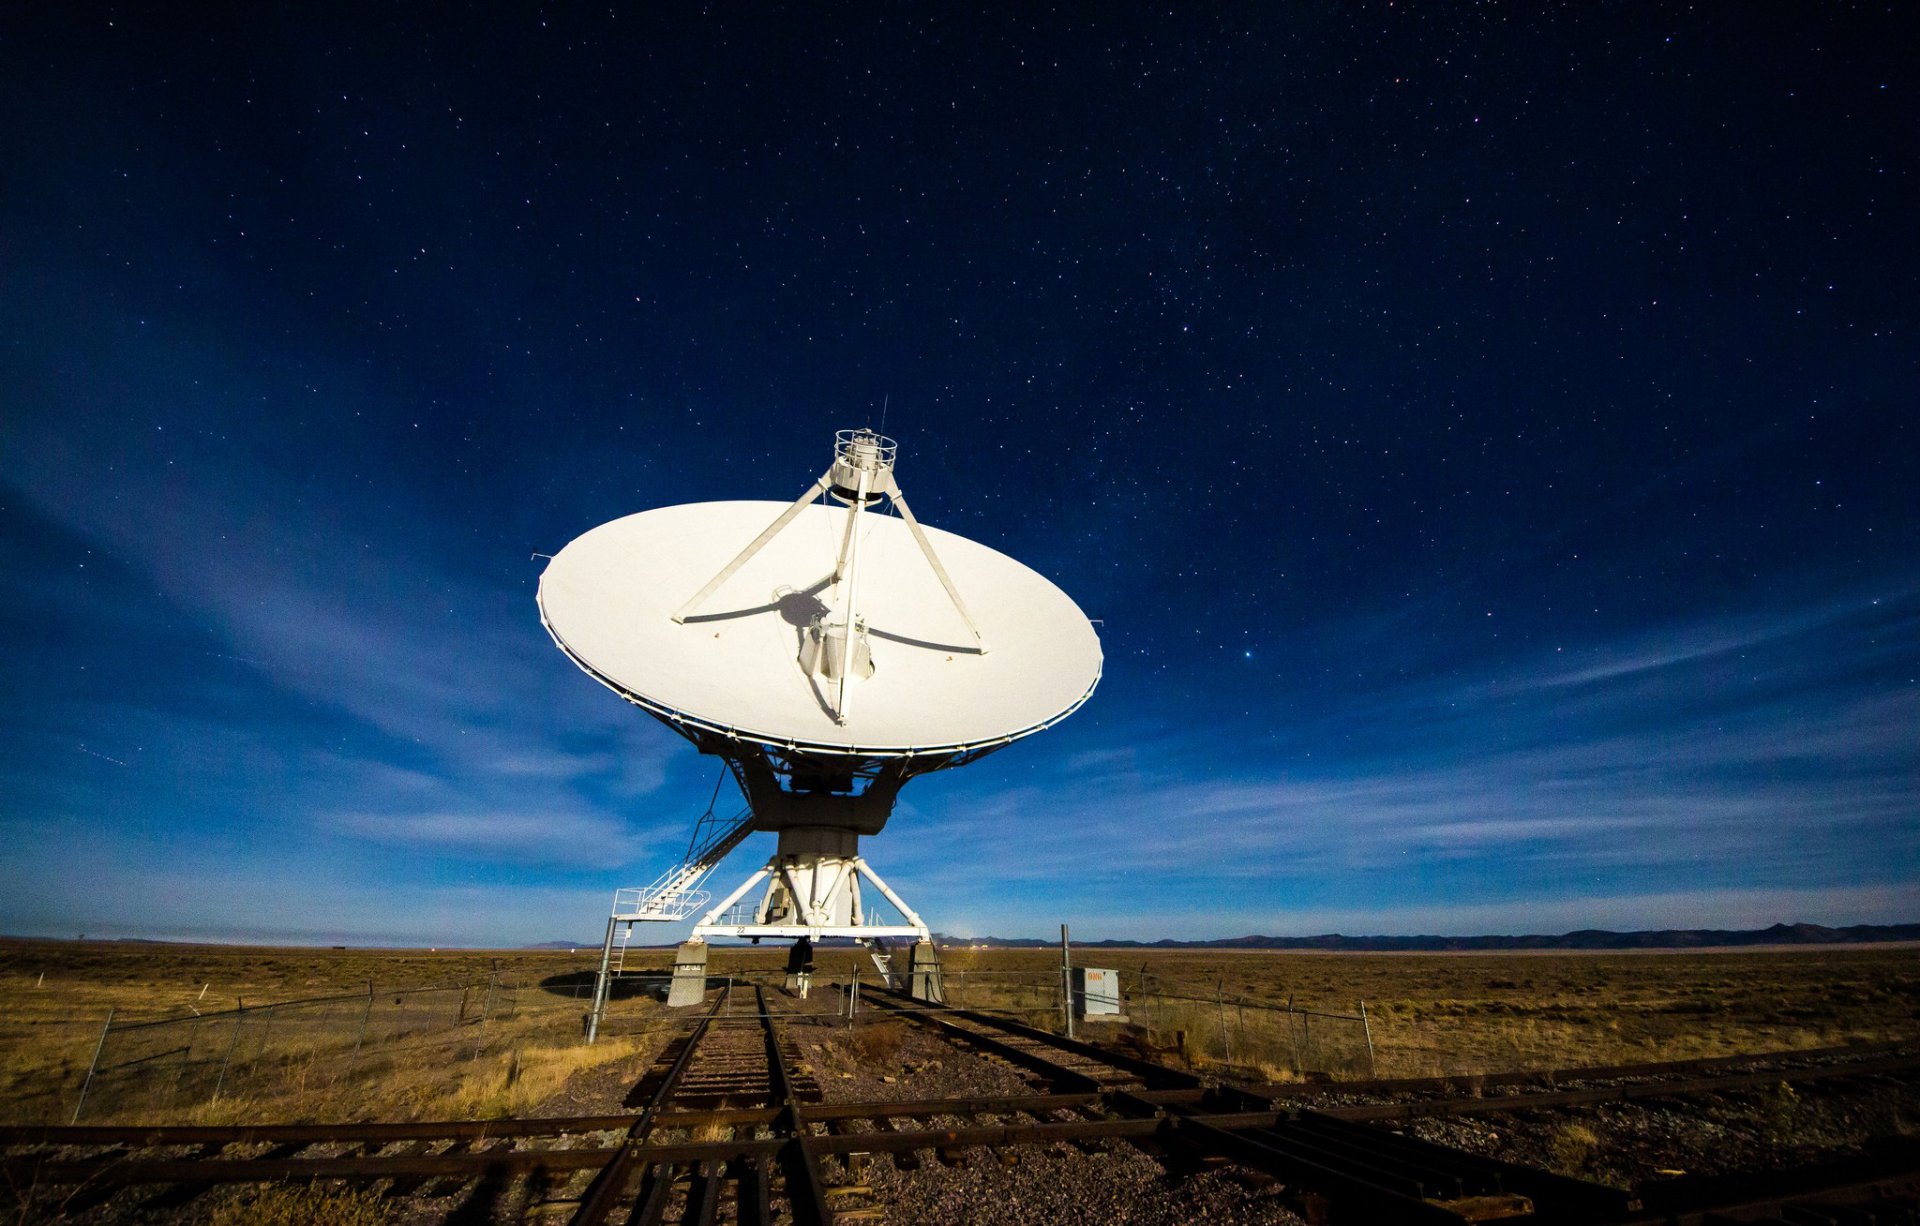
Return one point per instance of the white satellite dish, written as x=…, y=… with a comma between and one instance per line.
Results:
x=740, y=666
x=828, y=655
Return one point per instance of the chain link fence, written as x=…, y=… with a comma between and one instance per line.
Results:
x=1173, y=1018
x=161, y=1068
x=1168, y=1017
x=142, y=1067
x=1254, y=1040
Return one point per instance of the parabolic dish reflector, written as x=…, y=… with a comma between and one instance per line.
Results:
x=735, y=667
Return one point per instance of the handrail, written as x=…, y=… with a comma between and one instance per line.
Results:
x=675, y=893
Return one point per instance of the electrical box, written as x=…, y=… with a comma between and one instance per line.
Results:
x=1096, y=994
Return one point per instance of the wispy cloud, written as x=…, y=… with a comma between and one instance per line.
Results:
x=1515, y=787
x=540, y=837
x=412, y=704
x=1685, y=644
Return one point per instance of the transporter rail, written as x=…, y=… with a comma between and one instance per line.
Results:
x=728, y=1127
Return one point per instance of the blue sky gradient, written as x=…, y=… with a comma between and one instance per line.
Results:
x=1500, y=512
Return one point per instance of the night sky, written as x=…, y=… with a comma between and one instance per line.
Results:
x=1486, y=434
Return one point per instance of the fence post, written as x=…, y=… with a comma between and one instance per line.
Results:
x=267, y=1034
x=362, y=1036
x=486, y=1012
x=186, y=1055
x=92, y=1064
x=1066, y=980
x=1293, y=1035
x=1367, y=1026
x=239, y=1015
x=1220, y=1001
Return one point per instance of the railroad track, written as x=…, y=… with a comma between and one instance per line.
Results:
x=1371, y=1174
x=728, y=1127
x=719, y=1120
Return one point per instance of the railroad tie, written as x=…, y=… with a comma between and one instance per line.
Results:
x=703, y=1194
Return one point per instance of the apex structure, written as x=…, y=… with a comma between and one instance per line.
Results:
x=835, y=647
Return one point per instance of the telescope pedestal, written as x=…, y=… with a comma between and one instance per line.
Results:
x=923, y=973
x=813, y=890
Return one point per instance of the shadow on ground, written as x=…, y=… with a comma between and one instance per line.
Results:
x=578, y=985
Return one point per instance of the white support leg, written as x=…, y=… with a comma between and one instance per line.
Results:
x=822, y=896
x=818, y=488
x=907, y=913
x=713, y=917
x=849, y=563
x=926, y=547
x=795, y=898
x=830, y=904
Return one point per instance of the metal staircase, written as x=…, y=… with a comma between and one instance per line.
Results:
x=676, y=893
x=883, y=962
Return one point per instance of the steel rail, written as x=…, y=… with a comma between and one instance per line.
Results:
x=312, y=1134
x=1687, y=1202
x=608, y=1187
x=1889, y=1170
x=1383, y=1176
x=1033, y=1061
x=1620, y=1093
x=1474, y=1083
x=1032, y=1104
x=238, y=1134
x=369, y=1166
x=943, y=1019
x=157, y=1136
x=115, y=1171
x=800, y=1162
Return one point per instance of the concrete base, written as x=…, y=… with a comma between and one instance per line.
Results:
x=689, y=985
x=923, y=974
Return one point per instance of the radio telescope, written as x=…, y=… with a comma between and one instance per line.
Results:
x=828, y=651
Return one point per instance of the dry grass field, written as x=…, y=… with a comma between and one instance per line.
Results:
x=54, y=997
x=1434, y=1014
x=1428, y=1014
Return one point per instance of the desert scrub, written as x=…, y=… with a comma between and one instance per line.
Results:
x=311, y=1204
x=1571, y=1149
x=879, y=1042
x=513, y=1083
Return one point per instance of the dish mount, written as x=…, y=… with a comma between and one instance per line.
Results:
x=832, y=659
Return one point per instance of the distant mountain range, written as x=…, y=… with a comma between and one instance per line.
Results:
x=1589, y=938
x=1586, y=938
